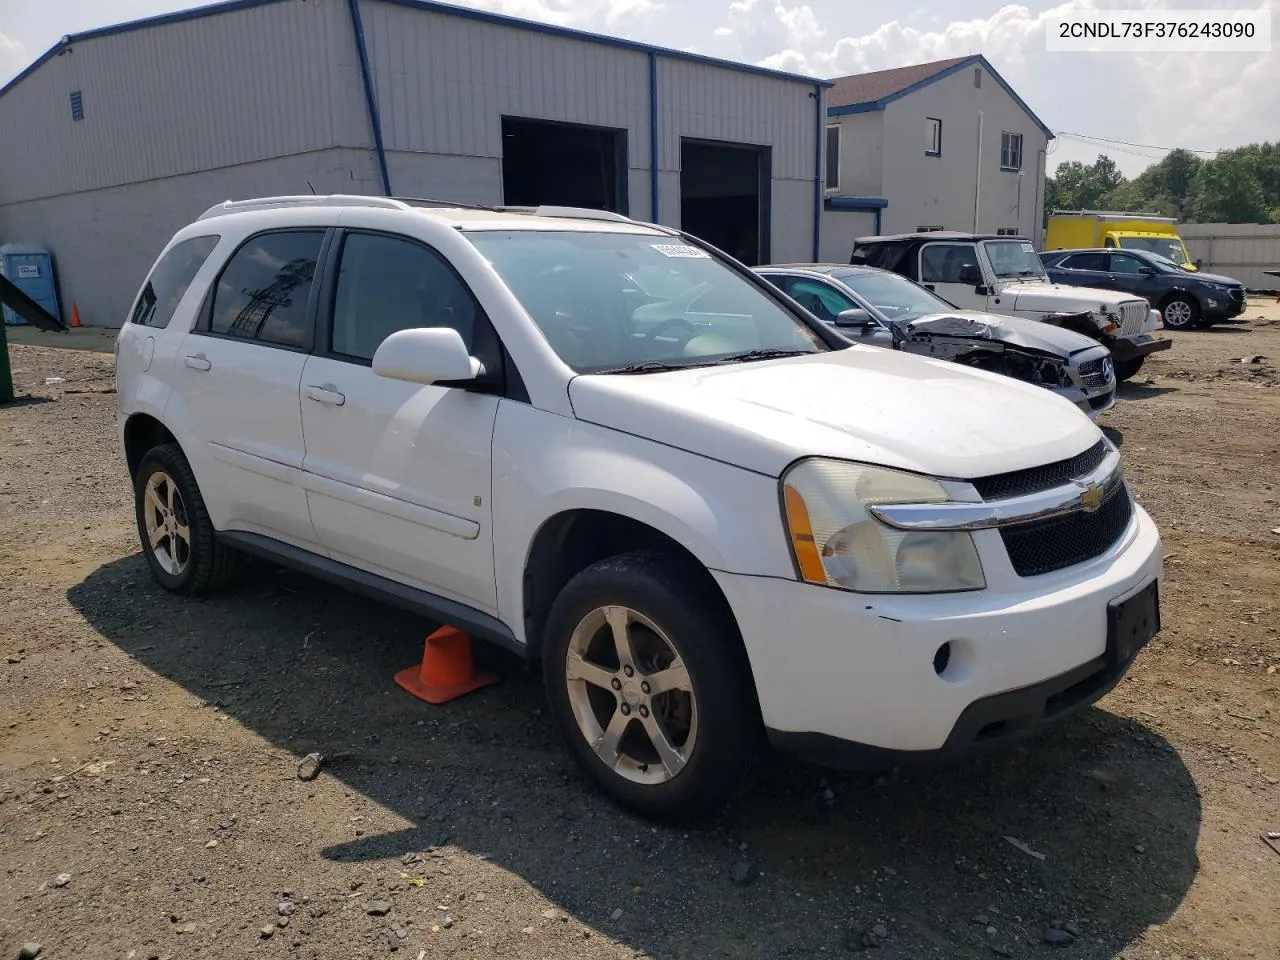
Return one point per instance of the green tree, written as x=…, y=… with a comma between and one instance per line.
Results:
x=1228, y=190
x=1075, y=186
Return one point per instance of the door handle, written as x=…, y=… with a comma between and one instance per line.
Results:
x=197, y=362
x=326, y=394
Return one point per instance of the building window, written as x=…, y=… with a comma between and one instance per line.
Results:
x=977, y=77
x=928, y=229
x=1006, y=231
x=933, y=136
x=1010, y=151
x=77, y=105
x=833, y=157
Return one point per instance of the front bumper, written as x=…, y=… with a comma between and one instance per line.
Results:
x=1224, y=308
x=853, y=675
x=1130, y=348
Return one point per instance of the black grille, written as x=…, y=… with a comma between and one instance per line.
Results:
x=1034, y=479
x=1093, y=373
x=1236, y=294
x=1048, y=545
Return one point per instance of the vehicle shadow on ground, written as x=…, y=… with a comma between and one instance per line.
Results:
x=904, y=862
x=1142, y=391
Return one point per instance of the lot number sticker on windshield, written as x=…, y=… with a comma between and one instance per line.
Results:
x=680, y=250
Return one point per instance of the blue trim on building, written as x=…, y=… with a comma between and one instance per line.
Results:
x=819, y=183
x=370, y=95
x=874, y=204
x=653, y=137
x=976, y=60
x=465, y=13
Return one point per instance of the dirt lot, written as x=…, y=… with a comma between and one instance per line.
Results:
x=149, y=805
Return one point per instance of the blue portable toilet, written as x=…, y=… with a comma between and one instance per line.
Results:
x=30, y=269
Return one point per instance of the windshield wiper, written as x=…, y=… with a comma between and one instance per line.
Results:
x=765, y=353
x=648, y=366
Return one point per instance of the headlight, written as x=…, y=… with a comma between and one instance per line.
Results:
x=836, y=542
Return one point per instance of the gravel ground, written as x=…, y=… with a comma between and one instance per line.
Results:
x=150, y=804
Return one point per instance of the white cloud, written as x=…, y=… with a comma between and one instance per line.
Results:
x=13, y=57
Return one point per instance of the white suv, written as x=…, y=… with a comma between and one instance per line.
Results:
x=602, y=444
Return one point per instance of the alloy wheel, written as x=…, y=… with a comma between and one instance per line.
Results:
x=1178, y=314
x=165, y=520
x=631, y=695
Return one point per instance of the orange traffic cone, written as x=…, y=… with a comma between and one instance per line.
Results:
x=447, y=671
x=75, y=314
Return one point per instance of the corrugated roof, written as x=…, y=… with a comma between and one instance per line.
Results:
x=868, y=87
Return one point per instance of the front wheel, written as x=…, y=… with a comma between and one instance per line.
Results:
x=648, y=681
x=1180, y=313
x=1125, y=369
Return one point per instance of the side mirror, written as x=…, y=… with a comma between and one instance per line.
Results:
x=425, y=355
x=856, y=317
x=1198, y=263
x=969, y=273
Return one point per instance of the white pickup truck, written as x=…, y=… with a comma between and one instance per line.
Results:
x=1001, y=274
x=726, y=527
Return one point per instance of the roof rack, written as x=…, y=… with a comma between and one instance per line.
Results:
x=303, y=200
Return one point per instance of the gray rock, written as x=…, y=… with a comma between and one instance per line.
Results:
x=479, y=898
x=62, y=879
x=30, y=950
x=880, y=931
x=992, y=931
x=1072, y=928
x=1000, y=950
x=1058, y=938
x=267, y=932
x=377, y=908
x=285, y=908
x=743, y=872
x=616, y=915
x=309, y=767
x=982, y=920
x=447, y=922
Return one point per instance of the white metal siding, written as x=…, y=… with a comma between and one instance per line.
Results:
x=444, y=82
x=180, y=97
x=705, y=102
x=1243, y=251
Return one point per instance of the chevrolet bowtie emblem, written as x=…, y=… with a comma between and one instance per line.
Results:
x=1091, y=497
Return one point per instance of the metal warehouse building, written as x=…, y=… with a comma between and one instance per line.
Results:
x=117, y=137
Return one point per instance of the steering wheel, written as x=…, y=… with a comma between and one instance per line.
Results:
x=683, y=330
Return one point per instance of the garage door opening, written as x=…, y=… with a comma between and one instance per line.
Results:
x=563, y=164
x=724, y=197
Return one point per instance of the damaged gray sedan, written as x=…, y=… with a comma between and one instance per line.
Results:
x=877, y=307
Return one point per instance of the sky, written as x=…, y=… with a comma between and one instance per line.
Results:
x=1204, y=102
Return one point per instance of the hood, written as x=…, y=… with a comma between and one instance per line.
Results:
x=1030, y=334
x=1214, y=278
x=861, y=403
x=1049, y=297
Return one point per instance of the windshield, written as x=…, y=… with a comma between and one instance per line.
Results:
x=609, y=301
x=1013, y=258
x=1168, y=247
x=894, y=296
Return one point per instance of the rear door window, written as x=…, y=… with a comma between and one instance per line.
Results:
x=263, y=292
x=1085, y=261
x=941, y=262
x=168, y=281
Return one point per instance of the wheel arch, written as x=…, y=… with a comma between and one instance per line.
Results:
x=143, y=432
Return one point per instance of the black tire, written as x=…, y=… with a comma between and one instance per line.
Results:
x=1126, y=369
x=1186, y=312
x=209, y=565
x=699, y=626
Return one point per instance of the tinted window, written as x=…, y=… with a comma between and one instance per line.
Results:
x=941, y=262
x=1123, y=264
x=821, y=299
x=833, y=157
x=1085, y=261
x=386, y=284
x=262, y=293
x=169, y=280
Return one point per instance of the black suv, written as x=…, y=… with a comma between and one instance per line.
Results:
x=1183, y=298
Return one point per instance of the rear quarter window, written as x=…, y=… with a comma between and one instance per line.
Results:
x=168, y=281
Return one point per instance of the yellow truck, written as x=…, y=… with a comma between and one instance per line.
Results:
x=1084, y=229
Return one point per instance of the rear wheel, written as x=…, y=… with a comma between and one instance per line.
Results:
x=178, y=539
x=646, y=676
x=1180, y=313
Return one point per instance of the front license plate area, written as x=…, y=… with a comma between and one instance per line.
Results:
x=1131, y=623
